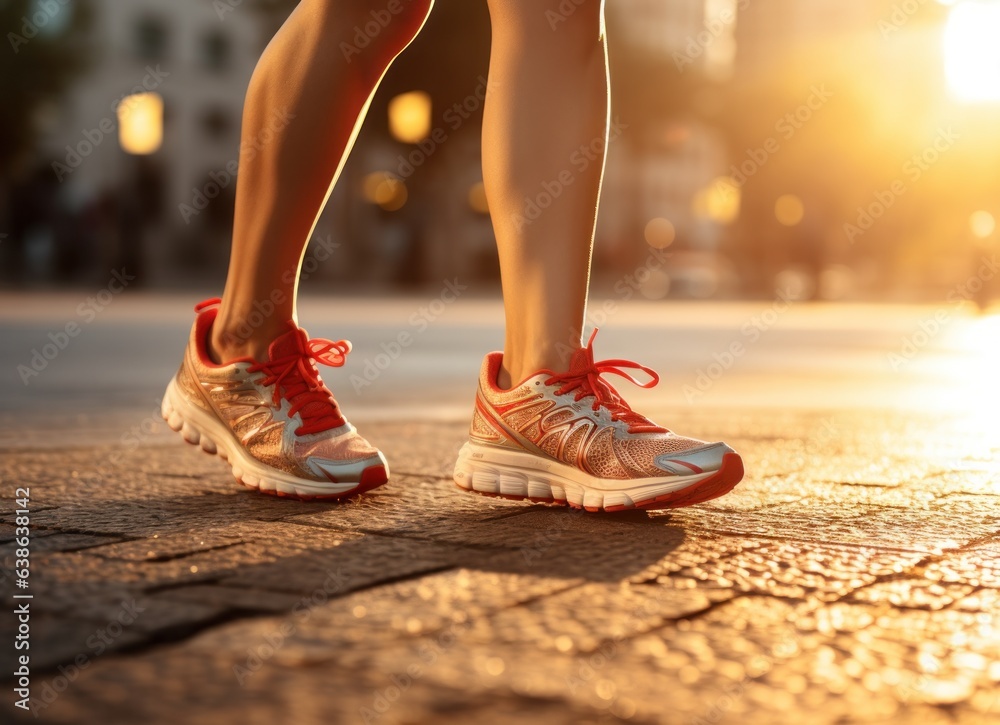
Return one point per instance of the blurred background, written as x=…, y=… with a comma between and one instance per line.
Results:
x=835, y=149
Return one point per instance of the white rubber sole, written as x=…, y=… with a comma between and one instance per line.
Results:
x=200, y=428
x=495, y=471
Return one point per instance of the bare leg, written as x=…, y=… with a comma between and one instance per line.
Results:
x=547, y=98
x=313, y=74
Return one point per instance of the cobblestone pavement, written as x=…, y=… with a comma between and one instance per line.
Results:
x=853, y=577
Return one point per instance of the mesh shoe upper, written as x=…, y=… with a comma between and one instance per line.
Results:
x=579, y=419
x=279, y=409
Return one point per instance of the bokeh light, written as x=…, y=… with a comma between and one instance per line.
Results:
x=982, y=224
x=385, y=190
x=477, y=198
x=836, y=282
x=140, y=123
x=719, y=201
x=659, y=233
x=789, y=210
x=410, y=116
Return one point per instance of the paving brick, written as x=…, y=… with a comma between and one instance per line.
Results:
x=853, y=577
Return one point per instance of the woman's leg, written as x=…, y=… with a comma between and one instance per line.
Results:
x=547, y=101
x=314, y=75
x=565, y=435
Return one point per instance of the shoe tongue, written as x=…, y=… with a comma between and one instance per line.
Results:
x=292, y=342
x=582, y=359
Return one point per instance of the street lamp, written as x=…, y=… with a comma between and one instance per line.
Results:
x=140, y=123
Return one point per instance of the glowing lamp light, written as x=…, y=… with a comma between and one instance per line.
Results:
x=719, y=202
x=140, y=123
x=410, y=117
x=971, y=51
x=982, y=224
x=789, y=210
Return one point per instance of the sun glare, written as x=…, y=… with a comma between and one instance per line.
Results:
x=971, y=50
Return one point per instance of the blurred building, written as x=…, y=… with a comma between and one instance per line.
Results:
x=665, y=162
x=135, y=163
x=878, y=102
x=768, y=29
x=196, y=62
x=159, y=198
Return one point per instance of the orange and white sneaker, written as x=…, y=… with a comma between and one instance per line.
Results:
x=273, y=420
x=570, y=438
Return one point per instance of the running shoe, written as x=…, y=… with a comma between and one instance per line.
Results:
x=273, y=420
x=570, y=438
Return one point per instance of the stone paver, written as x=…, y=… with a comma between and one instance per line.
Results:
x=871, y=597
x=853, y=577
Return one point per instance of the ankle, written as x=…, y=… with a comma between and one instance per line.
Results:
x=516, y=368
x=230, y=341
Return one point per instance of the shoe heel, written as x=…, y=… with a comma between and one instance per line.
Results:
x=476, y=472
x=171, y=412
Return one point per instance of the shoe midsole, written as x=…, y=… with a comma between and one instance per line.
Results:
x=477, y=455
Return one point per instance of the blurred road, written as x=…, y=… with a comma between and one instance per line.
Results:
x=853, y=577
x=720, y=355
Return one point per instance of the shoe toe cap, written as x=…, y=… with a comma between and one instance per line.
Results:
x=352, y=470
x=704, y=458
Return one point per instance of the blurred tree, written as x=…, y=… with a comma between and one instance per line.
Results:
x=45, y=53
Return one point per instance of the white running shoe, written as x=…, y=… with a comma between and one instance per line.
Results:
x=273, y=420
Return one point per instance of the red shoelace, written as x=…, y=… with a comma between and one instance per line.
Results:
x=587, y=382
x=296, y=378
